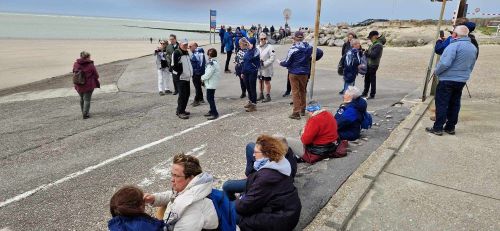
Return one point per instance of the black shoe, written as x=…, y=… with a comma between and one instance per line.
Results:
x=295, y=116
x=208, y=114
x=195, y=104
x=168, y=92
x=175, y=93
x=291, y=103
x=303, y=112
x=187, y=113
x=183, y=116
x=162, y=93
x=86, y=117
x=243, y=95
x=341, y=92
x=450, y=132
x=431, y=130
x=213, y=117
x=286, y=95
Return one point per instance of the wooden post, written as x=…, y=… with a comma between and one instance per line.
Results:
x=313, y=62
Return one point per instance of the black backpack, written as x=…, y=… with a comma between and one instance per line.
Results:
x=79, y=77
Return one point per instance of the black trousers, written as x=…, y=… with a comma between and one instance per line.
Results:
x=229, y=53
x=175, y=79
x=182, y=100
x=288, y=86
x=371, y=80
x=197, y=87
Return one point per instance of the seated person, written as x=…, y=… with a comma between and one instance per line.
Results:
x=350, y=114
x=319, y=138
x=231, y=187
x=270, y=200
x=187, y=205
x=127, y=208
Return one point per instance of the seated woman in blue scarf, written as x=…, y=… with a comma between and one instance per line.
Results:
x=350, y=114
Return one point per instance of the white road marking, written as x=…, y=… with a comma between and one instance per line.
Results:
x=106, y=162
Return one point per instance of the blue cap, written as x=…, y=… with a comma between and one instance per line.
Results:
x=253, y=41
x=313, y=106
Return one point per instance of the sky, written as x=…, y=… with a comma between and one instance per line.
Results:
x=265, y=12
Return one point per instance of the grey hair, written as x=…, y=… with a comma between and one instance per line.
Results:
x=262, y=35
x=84, y=55
x=461, y=31
x=353, y=91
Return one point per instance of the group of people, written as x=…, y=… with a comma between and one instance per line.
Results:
x=265, y=200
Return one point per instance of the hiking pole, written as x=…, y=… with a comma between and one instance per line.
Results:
x=467, y=86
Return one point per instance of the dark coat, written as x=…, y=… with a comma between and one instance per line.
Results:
x=270, y=202
x=349, y=118
x=91, y=75
x=140, y=223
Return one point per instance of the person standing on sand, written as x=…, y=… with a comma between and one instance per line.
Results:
x=250, y=69
x=229, y=46
x=198, y=62
x=373, y=54
x=86, y=66
x=222, y=31
x=182, y=70
x=162, y=66
x=172, y=46
x=210, y=80
x=267, y=57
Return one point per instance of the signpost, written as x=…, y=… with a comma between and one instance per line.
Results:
x=213, y=24
x=313, y=62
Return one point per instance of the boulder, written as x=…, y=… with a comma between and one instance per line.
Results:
x=331, y=42
x=338, y=42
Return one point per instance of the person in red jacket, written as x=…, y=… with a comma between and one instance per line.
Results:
x=86, y=65
x=319, y=138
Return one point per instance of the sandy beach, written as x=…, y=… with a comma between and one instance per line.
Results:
x=26, y=61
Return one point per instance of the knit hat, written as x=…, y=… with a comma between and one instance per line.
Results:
x=313, y=106
x=471, y=26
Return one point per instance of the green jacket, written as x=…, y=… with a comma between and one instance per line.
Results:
x=374, y=53
x=169, y=51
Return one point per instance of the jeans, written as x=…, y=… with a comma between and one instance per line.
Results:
x=371, y=80
x=231, y=187
x=163, y=79
x=251, y=84
x=299, y=88
x=211, y=102
x=250, y=159
x=197, y=86
x=182, y=100
x=448, y=95
x=85, y=102
x=229, y=53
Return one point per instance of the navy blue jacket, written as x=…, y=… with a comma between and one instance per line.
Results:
x=198, y=61
x=298, y=60
x=229, y=41
x=140, y=223
x=349, y=117
x=351, y=61
x=221, y=34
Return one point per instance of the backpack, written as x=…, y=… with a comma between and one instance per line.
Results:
x=225, y=210
x=79, y=77
x=367, y=121
x=340, y=67
x=363, y=65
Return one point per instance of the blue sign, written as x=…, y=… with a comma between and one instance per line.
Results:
x=213, y=24
x=213, y=13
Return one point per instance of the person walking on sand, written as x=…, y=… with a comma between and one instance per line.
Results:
x=222, y=31
x=85, y=66
x=211, y=80
x=299, y=68
x=229, y=46
x=373, y=54
x=453, y=70
x=267, y=57
x=182, y=70
x=198, y=62
x=162, y=67
x=172, y=46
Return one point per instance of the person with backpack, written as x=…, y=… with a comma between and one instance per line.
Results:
x=351, y=114
x=351, y=62
x=250, y=68
x=198, y=63
x=127, y=209
x=373, y=54
x=187, y=207
x=270, y=201
x=182, y=71
x=88, y=79
x=211, y=80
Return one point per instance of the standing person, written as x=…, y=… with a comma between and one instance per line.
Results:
x=351, y=61
x=453, y=70
x=347, y=45
x=373, y=54
x=237, y=37
x=238, y=60
x=182, y=70
x=299, y=67
x=172, y=46
x=244, y=32
x=162, y=66
x=265, y=30
x=211, y=80
x=198, y=62
x=86, y=67
x=272, y=30
x=251, y=64
x=267, y=57
x=151, y=40
x=229, y=46
x=222, y=31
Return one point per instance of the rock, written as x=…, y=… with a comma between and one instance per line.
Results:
x=376, y=124
x=338, y=42
x=331, y=42
x=388, y=116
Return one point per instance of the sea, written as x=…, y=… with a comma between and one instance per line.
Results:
x=36, y=26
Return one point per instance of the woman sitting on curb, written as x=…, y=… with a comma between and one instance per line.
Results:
x=350, y=114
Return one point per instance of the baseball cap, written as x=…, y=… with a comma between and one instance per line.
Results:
x=373, y=33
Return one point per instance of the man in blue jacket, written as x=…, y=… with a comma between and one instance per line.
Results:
x=198, y=62
x=229, y=46
x=298, y=62
x=453, y=70
x=222, y=32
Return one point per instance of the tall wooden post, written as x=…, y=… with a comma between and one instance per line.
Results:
x=313, y=62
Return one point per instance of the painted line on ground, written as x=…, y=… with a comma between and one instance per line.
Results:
x=106, y=162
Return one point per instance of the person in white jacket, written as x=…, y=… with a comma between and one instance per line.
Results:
x=187, y=205
x=267, y=57
x=211, y=80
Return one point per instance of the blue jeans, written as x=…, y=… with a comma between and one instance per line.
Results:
x=251, y=84
x=231, y=187
x=211, y=101
x=448, y=95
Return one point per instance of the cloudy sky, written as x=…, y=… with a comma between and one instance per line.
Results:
x=266, y=12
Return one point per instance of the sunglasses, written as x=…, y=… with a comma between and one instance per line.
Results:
x=262, y=39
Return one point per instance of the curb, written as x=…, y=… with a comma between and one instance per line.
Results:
x=344, y=203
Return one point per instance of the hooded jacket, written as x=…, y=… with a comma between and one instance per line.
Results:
x=170, y=50
x=374, y=53
x=91, y=75
x=212, y=74
x=351, y=60
x=298, y=60
x=181, y=65
x=457, y=61
x=140, y=223
x=267, y=57
x=190, y=209
x=320, y=129
x=349, y=117
x=229, y=41
x=251, y=60
x=198, y=61
x=270, y=201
